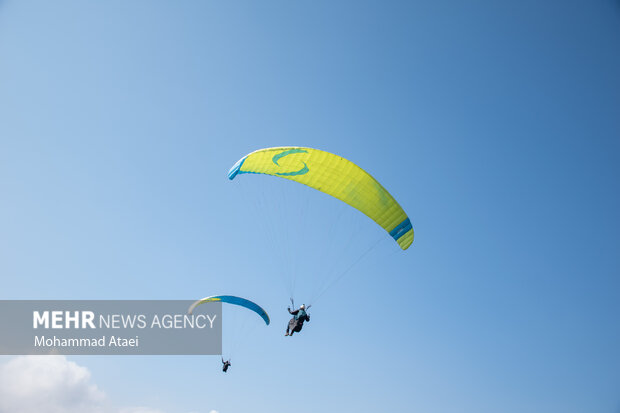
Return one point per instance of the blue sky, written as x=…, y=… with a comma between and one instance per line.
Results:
x=495, y=124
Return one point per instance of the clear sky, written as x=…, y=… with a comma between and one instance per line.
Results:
x=496, y=125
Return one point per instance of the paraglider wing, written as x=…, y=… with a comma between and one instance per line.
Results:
x=231, y=299
x=334, y=176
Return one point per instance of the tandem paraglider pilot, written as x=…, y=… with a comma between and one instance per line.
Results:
x=297, y=322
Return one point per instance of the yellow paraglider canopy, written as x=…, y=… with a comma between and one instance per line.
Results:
x=335, y=176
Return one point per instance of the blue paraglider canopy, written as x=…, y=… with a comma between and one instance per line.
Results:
x=231, y=299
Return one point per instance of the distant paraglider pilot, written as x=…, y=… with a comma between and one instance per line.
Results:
x=297, y=322
x=226, y=365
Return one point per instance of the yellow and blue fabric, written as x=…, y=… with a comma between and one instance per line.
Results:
x=231, y=299
x=335, y=176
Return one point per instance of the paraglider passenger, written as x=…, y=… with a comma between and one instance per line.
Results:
x=226, y=365
x=297, y=322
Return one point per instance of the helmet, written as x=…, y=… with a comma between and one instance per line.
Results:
x=303, y=307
